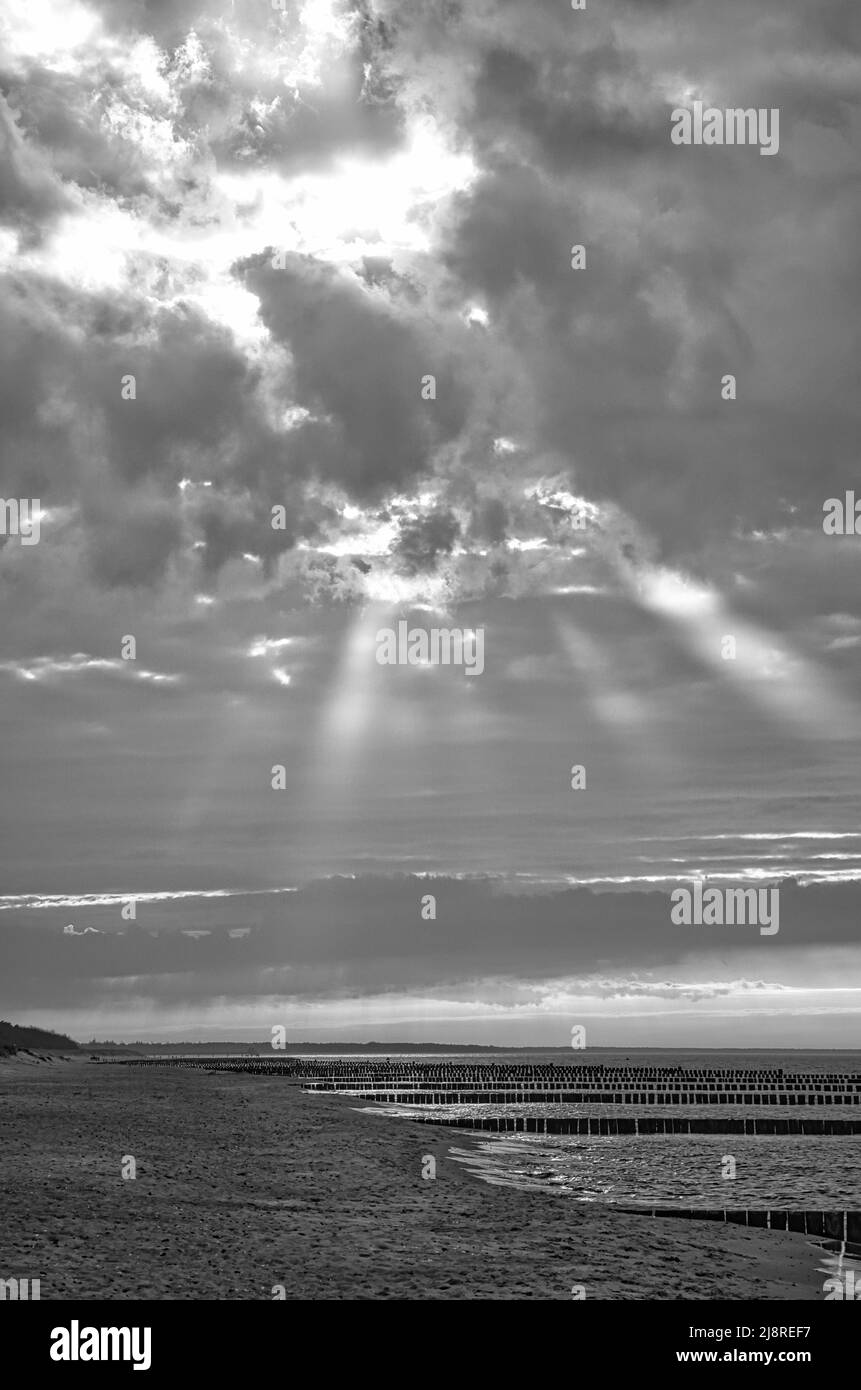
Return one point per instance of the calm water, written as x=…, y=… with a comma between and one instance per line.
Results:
x=665, y=1170
x=805, y=1171
x=677, y=1170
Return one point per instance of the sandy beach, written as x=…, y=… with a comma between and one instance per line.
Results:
x=246, y=1183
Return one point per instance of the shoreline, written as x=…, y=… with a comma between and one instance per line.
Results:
x=246, y=1185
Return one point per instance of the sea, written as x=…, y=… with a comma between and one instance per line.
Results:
x=809, y=1172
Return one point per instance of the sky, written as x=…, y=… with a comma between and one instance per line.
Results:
x=236, y=243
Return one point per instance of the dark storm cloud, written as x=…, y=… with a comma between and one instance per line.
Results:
x=489, y=521
x=510, y=228
x=70, y=437
x=185, y=368
x=60, y=119
x=197, y=389
x=552, y=111
x=131, y=536
x=700, y=262
x=30, y=196
x=345, y=937
x=422, y=541
x=360, y=364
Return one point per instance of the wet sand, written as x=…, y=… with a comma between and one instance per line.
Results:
x=245, y=1183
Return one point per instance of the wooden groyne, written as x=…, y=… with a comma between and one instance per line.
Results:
x=508, y=1083
x=349, y=1072
x=643, y=1124
x=495, y=1083
x=409, y=1082
x=455, y=1096
x=652, y=1086
x=844, y=1226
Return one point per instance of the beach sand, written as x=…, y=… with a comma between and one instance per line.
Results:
x=246, y=1183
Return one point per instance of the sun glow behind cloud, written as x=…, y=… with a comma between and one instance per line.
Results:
x=50, y=30
x=359, y=205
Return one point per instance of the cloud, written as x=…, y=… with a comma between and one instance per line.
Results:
x=366, y=936
x=360, y=365
x=608, y=377
x=78, y=663
x=421, y=174
x=30, y=197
